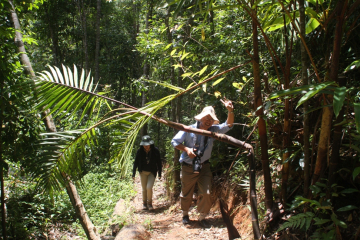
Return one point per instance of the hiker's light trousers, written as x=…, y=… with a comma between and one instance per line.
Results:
x=147, y=183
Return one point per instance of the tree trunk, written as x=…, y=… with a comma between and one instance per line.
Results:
x=97, y=43
x=175, y=118
x=51, y=15
x=335, y=156
x=19, y=43
x=49, y=123
x=212, y=24
x=253, y=201
x=306, y=122
x=50, y=126
x=55, y=44
x=261, y=123
x=323, y=146
x=287, y=125
x=335, y=153
x=82, y=15
x=84, y=219
x=287, y=116
x=146, y=70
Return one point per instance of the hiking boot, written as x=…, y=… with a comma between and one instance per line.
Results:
x=186, y=220
x=205, y=224
x=150, y=206
x=145, y=207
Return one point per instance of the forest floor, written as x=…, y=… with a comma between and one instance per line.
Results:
x=165, y=221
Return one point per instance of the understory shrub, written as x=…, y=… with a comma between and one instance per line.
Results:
x=100, y=192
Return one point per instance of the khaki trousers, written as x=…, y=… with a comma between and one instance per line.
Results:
x=188, y=181
x=147, y=183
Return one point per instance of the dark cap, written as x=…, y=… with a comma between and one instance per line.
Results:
x=146, y=140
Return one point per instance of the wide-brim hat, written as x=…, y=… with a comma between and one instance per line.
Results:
x=209, y=110
x=146, y=140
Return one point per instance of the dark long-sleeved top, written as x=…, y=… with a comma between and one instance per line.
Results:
x=154, y=164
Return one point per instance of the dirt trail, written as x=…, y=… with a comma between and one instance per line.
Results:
x=165, y=221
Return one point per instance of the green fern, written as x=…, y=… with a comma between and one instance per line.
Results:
x=298, y=221
x=320, y=235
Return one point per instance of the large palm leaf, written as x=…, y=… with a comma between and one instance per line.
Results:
x=65, y=95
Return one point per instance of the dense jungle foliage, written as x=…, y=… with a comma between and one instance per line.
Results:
x=99, y=70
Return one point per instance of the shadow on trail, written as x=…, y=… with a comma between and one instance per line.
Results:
x=156, y=210
x=216, y=222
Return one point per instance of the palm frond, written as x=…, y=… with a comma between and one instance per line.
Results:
x=63, y=92
x=62, y=154
x=57, y=158
x=141, y=117
x=165, y=84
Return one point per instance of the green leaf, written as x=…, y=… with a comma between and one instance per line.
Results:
x=339, y=97
x=310, y=12
x=75, y=78
x=347, y=208
x=349, y=190
x=190, y=85
x=291, y=91
x=167, y=46
x=353, y=65
x=82, y=79
x=342, y=224
x=237, y=85
x=275, y=27
x=335, y=219
x=184, y=56
x=315, y=2
x=319, y=221
x=66, y=76
x=168, y=85
x=311, y=25
x=356, y=172
x=29, y=40
x=87, y=82
x=60, y=75
x=311, y=93
x=181, y=25
x=186, y=74
x=357, y=116
x=173, y=52
x=203, y=70
x=303, y=221
x=320, y=184
x=279, y=22
x=177, y=66
x=217, y=81
x=53, y=71
x=309, y=220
